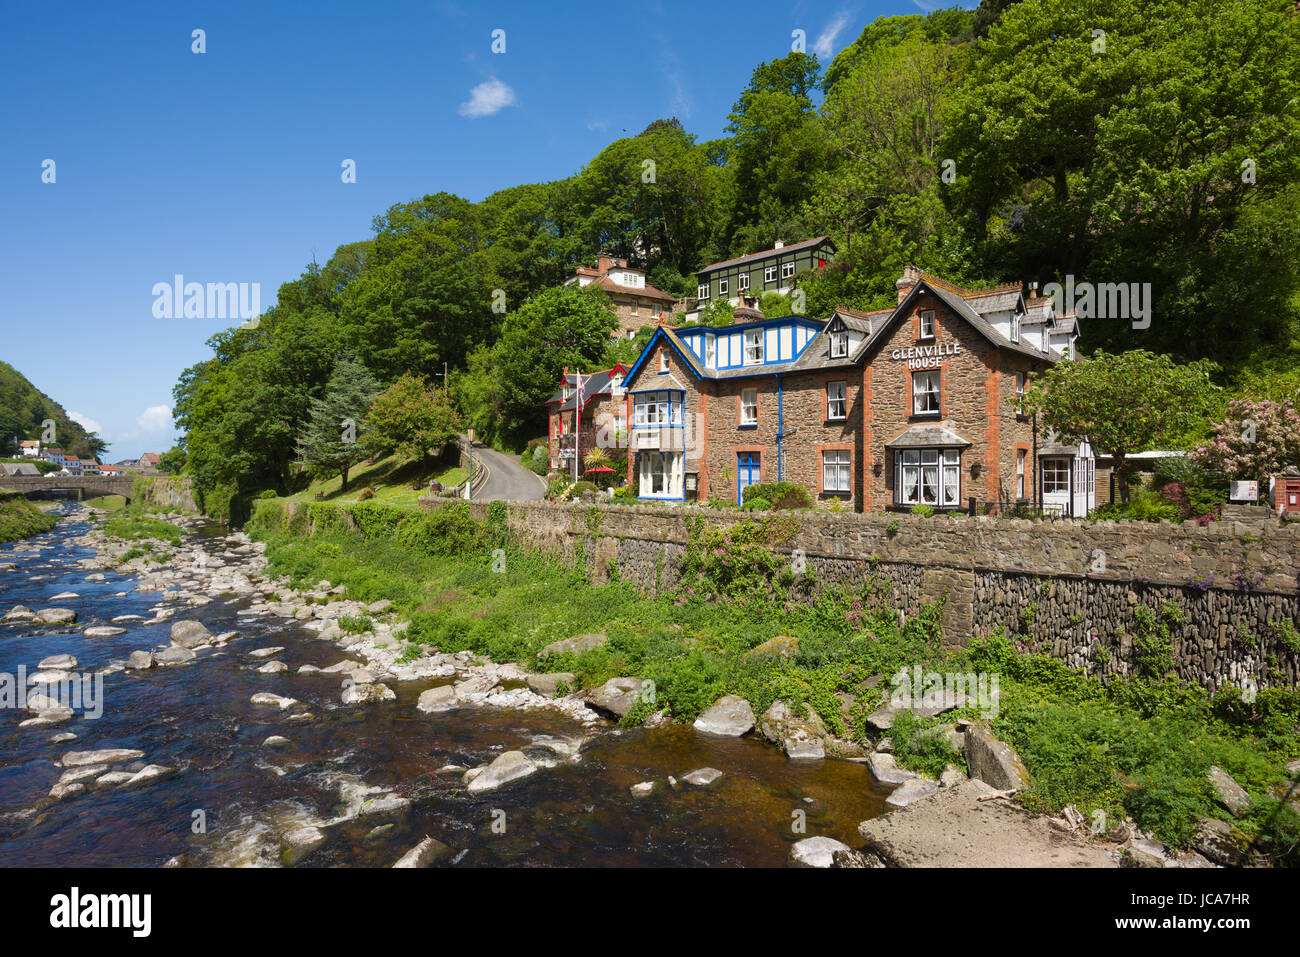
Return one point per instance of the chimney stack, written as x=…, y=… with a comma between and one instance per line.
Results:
x=603, y=263
x=911, y=276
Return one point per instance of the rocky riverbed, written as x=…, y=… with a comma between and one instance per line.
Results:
x=313, y=677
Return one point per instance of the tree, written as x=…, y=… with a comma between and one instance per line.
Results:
x=1123, y=404
x=333, y=435
x=1256, y=440
x=411, y=419
x=565, y=326
x=172, y=461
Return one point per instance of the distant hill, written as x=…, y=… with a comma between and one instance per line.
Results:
x=23, y=408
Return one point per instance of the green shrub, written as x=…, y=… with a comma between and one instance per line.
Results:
x=355, y=624
x=920, y=746
x=923, y=509
x=449, y=530
x=780, y=495
x=756, y=503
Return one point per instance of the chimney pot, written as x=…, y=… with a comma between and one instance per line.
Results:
x=780, y=244
x=911, y=276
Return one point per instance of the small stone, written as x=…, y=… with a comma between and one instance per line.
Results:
x=140, y=660
x=266, y=699
x=74, y=759
x=435, y=700
x=702, y=777
x=277, y=741
x=103, y=631
x=911, y=791
x=729, y=717
x=885, y=769
x=270, y=652
x=815, y=852
x=644, y=789
x=273, y=668
x=190, y=634
x=58, y=663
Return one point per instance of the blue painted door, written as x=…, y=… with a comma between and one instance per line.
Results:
x=749, y=472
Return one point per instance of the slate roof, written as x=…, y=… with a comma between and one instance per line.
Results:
x=594, y=384
x=927, y=436
x=765, y=254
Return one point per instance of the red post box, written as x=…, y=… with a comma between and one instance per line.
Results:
x=1286, y=492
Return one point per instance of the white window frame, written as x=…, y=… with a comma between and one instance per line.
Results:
x=742, y=282
x=722, y=287
x=839, y=345
x=636, y=307
x=702, y=291
x=1021, y=458
x=837, y=470
x=663, y=360
x=927, y=317
x=1060, y=476
x=840, y=400
x=748, y=410
x=940, y=467
x=921, y=396
x=787, y=270
x=754, y=347
x=1022, y=382
x=652, y=410
x=769, y=273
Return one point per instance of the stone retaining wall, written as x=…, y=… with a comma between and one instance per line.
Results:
x=1069, y=588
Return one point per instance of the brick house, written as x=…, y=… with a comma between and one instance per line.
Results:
x=888, y=409
x=593, y=405
x=635, y=301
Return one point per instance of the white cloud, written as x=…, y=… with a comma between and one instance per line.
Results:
x=156, y=418
x=826, y=39
x=490, y=96
x=86, y=422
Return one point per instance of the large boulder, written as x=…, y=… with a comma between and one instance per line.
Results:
x=815, y=852
x=730, y=717
x=1230, y=794
x=576, y=644
x=19, y=613
x=992, y=761
x=508, y=767
x=58, y=663
x=367, y=693
x=911, y=791
x=548, y=684
x=884, y=768
x=175, y=655
x=435, y=700
x=56, y=616
x=800, y=736
x=190, y=634
x=617, y=696
x=298, y=843
x=428, y=851
x=1221, y=842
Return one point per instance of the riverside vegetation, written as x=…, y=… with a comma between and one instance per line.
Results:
x=19, y=518
x=743, y=622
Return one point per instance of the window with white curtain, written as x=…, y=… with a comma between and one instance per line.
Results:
x=836, y=470
x=928, y=477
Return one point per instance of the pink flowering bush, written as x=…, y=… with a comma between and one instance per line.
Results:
x=1258, y=439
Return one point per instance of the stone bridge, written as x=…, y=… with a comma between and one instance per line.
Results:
x=86, y=486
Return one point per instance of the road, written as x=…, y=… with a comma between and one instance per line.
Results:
x=509, y=480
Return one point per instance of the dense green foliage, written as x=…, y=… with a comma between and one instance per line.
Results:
x=24, y=410
x=332, y=437
x=1139, y=746
x=19, y=518
x=1011, y=143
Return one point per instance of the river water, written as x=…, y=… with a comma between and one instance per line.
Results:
x=232, y=797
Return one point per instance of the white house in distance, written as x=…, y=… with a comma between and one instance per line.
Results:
x=30, y=448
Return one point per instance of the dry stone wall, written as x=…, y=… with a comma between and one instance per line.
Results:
x=1226, y=592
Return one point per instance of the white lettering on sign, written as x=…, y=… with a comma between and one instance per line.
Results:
x=926, y=357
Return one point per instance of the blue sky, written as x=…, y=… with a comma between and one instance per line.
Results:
x=226, y=166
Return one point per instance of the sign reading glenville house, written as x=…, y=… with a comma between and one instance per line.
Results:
x=887, y=409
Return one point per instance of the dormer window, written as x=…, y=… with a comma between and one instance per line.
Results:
x=839, y=345
x=753, y=346
x=1015, y=327
x=927, y=324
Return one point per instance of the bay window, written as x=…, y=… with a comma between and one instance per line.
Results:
x=1056, y=475
x=651, y=409
x=928, y=477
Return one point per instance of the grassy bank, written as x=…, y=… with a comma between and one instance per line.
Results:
x=392, y=480
x=1139, y=747
x=19, y=518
